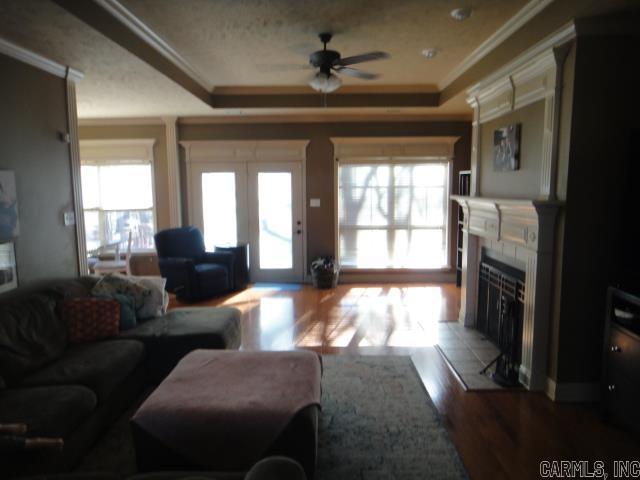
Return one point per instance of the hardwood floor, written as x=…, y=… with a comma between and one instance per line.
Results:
x=499, y=434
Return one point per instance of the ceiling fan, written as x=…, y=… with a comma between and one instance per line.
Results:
x=330, y=61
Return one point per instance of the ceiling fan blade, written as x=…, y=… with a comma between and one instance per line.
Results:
x=365, y=57
x=352, y=72
x=282, y=67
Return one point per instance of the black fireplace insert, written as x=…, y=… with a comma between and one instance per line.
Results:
x=500, y=315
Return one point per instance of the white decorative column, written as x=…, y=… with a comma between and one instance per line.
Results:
x=173, y=172
x=469, y=280
x=73, y=76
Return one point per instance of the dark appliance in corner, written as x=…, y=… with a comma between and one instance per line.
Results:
x=621, y=359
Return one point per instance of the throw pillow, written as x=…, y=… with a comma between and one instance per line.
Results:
x=155, y=304
x=127, y=310
x=110, y=284
x=90, y=319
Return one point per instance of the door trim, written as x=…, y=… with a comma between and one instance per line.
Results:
x=221, y=151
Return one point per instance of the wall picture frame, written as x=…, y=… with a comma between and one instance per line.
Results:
x=9, y=222
x=506, y=148
x=8, y=270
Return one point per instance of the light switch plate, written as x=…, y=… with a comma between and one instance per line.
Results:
x=69, y=219
x=314, y=202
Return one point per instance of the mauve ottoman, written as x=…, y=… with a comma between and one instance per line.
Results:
x=224, y=410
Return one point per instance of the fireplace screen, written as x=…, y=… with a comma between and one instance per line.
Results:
x=500, y=313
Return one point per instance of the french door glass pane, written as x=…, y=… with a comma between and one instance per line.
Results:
x=275, y=220
x=219, y=209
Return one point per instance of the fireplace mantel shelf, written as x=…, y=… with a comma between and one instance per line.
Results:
x=525, y=223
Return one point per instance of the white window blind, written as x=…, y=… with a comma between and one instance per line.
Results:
x=118, y=198
x=393, y=214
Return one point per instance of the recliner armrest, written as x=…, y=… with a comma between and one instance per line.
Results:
x=179, y=273
x=221, y=258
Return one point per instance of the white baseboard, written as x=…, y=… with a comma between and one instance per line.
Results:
x=572, y=392
x=404, y=277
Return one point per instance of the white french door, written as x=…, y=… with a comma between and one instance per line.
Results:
x=257, y=203
x=275, y=221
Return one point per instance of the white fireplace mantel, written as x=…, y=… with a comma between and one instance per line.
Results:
x=524, y=231
x=526, y=224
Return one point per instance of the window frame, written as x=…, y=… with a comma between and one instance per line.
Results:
x=391, y=161
x=138, y=151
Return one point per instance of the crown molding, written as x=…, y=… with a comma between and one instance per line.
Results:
x=528, y=59
x=139, y=28
x=29, y=57
x=529, y=11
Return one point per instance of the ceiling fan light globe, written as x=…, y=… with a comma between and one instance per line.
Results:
x=325, y=83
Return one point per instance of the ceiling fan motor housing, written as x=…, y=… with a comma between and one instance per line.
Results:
x=324, y=59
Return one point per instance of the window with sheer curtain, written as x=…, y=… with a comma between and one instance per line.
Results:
x=393, y=215
x=118, y=199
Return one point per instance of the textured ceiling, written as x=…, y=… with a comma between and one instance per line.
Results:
x=116, y=83
x=244, y=42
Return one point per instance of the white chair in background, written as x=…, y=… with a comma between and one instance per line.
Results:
x=117, y=265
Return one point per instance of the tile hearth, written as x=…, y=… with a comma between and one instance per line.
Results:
x=468, y=351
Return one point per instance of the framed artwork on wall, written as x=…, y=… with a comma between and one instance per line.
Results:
x=506, y=148
x=8, y=272
x=9, y=224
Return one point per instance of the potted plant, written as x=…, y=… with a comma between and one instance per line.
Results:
x=324, y=272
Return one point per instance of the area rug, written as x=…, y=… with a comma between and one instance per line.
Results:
x=377, y=422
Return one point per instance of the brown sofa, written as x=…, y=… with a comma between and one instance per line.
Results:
x=75, y=392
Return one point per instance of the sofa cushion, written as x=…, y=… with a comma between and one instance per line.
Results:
x=31, y=335
x=90, y=319
x=72, y=288
x=215, y=327
x=169, y=338
x=53, y=411
x=100, y=366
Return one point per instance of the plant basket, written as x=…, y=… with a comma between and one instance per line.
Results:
x=324, y=272
x=324, y=278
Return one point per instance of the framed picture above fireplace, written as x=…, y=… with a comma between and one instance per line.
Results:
x=506, y=148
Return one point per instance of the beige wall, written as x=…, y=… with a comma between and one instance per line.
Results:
x=320, y=221
x=524, y=182
x=159, y=158
x=32, y=114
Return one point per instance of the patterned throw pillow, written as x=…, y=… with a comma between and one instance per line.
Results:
x=89, y=319
x=155, y=304
x=128, y=318
x=110, y=284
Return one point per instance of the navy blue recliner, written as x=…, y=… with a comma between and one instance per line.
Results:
x=192, y=273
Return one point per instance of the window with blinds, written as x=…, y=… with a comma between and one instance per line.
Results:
x=117, y=199
x=393, y=215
